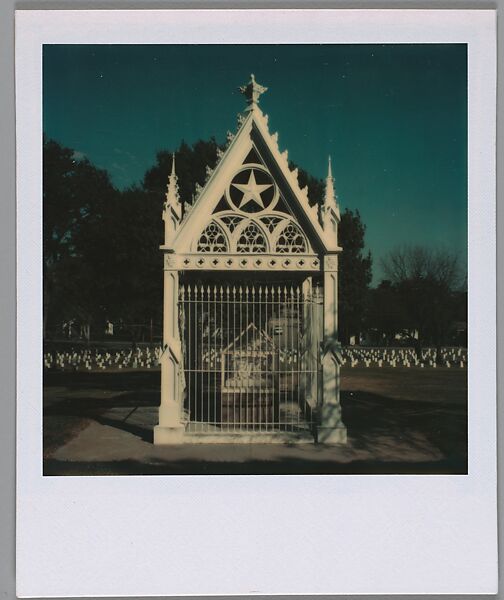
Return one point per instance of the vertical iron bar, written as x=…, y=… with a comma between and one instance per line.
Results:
x=255, y=418
x=268, y=365
x=189, y=353
x=235, y=357
x=240, y=302
x=298, y=360
x=291, y=354
x=214, y=356
x=221, y=353
x=261, y=351
x=275, y=315
x=202, y=303
x=225, y=358
x=195, y=358
x=247, y=359
x=206, y=373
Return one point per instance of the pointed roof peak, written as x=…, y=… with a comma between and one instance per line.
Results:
x=173, y=165
x=329, y=168
x=252, y=92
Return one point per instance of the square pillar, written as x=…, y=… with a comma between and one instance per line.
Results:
x=331, y=429
x=170, y=429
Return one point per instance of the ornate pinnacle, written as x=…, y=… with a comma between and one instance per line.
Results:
x=330, y=196
x=252, y=92
x=172, y=214
x=172, y=194
x=330, y=199
x=173, y=165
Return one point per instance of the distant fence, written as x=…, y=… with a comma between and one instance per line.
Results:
x=118, y=356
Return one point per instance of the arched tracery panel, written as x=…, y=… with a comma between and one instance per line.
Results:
x=291, y=240
x=212, y=239
x=251, y=239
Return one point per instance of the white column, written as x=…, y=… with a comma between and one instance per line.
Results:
x=170, y=429
x=331, y=429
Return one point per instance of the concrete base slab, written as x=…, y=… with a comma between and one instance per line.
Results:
x=249, y=438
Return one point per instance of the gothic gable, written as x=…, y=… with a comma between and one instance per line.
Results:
x=252, y=204
x=249, y=197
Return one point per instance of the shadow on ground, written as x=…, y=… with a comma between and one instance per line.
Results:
x=386, y=435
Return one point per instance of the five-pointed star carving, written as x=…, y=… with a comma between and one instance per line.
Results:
x=252, y=190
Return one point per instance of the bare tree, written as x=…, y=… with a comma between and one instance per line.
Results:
x=410, y=263
x=425, y=283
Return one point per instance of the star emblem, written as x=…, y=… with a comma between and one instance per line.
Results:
x=252, y=191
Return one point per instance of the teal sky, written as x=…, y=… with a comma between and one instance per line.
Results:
x=393, y=118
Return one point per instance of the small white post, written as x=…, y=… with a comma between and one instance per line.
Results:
x=331, y=429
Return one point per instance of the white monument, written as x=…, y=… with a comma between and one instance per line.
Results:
x=250, y=335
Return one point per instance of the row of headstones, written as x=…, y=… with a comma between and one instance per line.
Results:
x=405, y=357
x=147, y=358
x=87, y=360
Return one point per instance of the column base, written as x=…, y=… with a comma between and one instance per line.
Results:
x=168, y=435
x=332, y=435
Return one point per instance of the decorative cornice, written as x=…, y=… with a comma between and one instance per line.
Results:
x=241, y=262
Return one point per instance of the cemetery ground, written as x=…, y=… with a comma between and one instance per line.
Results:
x=404, y=420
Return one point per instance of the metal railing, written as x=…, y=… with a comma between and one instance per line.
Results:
x=251, y=356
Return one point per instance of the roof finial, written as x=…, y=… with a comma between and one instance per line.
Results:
x=173, y=165
x=329, y=169
x=252, y=92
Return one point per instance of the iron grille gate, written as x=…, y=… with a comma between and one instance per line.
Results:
x=251, y=356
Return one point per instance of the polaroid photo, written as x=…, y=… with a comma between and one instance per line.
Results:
x=256, y=302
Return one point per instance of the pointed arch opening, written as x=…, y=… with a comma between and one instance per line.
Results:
x=291, y=240
x=251, y=239
x=212, y=239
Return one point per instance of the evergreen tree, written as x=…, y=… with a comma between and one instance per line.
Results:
x=354, y=275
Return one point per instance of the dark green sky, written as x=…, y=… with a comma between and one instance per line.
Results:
x=393, y=117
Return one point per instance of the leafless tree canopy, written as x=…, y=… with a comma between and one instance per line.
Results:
x=413, y=263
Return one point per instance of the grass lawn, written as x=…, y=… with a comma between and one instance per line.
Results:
x=399, y=420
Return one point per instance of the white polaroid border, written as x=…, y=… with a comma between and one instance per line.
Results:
x=171, y=535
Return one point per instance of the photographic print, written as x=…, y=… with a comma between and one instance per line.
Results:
x=255, y=302
x=255, y=259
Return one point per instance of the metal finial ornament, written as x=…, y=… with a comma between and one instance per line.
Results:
x=252, y=92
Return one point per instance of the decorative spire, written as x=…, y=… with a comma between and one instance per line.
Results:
x=330, y=210
x=252, y=92
x=173, y=174
x=330, y=196
x=172, y=213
